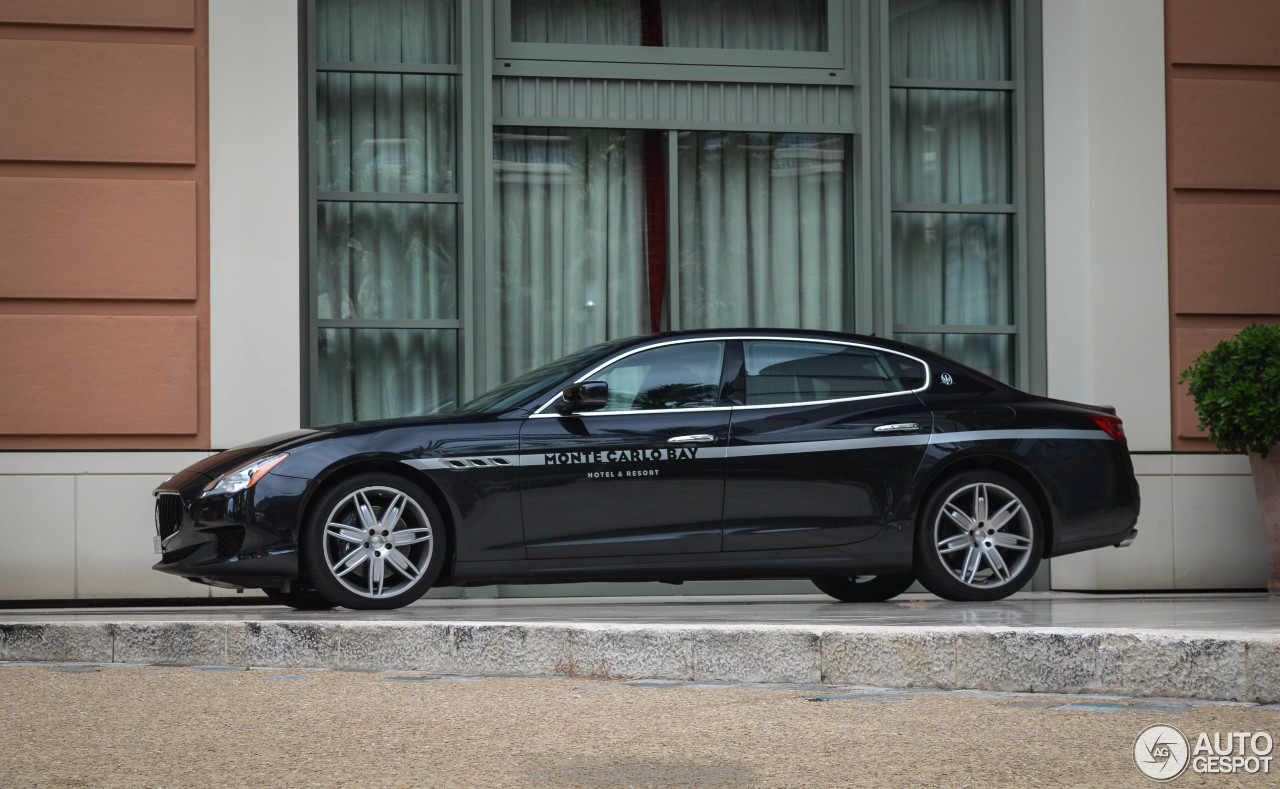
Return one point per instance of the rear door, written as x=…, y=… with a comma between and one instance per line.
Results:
x=827, y=439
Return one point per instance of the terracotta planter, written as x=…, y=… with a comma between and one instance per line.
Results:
x=1266, y=483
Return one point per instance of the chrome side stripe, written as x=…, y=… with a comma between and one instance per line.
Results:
x=584, y=457
x=1017, y=435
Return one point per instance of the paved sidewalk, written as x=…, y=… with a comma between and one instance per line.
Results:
x=1208, y=646
x=113, y=726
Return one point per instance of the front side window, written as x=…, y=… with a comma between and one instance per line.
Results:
x=781, y=372
x=685, y=375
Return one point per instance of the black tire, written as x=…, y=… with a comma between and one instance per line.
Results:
x=963, y=553
x=864, y=588
x=301, y=599
x=404, y=546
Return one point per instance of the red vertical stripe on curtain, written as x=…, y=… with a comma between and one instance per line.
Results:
x=655, y=181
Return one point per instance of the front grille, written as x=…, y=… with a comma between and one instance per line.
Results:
x=168, y=514
x=229, y=542
x=176, y=556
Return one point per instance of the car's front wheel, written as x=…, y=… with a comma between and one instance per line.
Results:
x=373, y=541
x=864, y=588
x=979, y=537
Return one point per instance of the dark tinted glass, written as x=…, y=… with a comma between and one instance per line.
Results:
x=799, y=372
x=686, y=375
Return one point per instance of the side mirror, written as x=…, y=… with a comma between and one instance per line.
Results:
x=586, y=396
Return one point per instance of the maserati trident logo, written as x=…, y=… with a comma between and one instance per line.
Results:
x=946, y=379
x=1161, y=752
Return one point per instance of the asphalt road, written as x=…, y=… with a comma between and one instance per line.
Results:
x=97, y=726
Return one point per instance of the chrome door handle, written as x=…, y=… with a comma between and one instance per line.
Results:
x=901, y=427
x=697, y=438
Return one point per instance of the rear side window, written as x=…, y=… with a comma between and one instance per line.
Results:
x=800, y=372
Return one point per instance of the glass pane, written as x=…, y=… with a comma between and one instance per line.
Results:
x=387, y=260
x=950, y=146
x=794, y=372
x=383, y=373
x=571, y=228
x=385, y=31
x=949, y=39
x=777, y=25
x=952, y=269
x=763, y=228
x=674, y=376
x=988, y=353
x=385, y=133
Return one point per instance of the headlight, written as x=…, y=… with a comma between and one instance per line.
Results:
x=244, y=477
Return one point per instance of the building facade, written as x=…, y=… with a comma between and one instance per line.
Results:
x=231, y=218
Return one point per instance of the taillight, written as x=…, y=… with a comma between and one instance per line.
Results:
x=1113, y=425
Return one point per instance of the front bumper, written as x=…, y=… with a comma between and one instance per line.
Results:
x=244, y=539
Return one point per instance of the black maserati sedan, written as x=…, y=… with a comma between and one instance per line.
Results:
x=861, y=463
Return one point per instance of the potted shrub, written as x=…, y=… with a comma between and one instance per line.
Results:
x=1236, y=386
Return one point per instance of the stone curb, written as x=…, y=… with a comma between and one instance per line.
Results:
x=1200, y=665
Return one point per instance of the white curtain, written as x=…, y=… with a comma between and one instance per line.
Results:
x=572, y=269
x=385, y=133
x=952, y=147
x=779, y=25
x=949, y=39
x=762, y=230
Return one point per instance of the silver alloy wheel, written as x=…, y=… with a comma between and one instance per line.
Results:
x=377, y=542
x=983, y=534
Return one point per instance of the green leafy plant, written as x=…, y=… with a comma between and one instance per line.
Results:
x=1236, y=386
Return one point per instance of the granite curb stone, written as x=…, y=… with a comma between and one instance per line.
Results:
x=88, y=642
x=1132, y=662
x=758, y=653
x=625, y=651
x=885, y=657
x=183, y=643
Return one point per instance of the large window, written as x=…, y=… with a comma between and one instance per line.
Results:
x=585, y=251
x=384, y=247
x=494, y=184
x=951, y=104
x=784, y=33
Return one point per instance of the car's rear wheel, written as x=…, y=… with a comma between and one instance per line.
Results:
x=864, y=588
x=301, y=599
x=373, y=541
x=979, y=537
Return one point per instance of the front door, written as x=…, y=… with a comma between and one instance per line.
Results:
x=642, y=476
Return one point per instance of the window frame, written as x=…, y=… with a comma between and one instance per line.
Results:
x=481, y=74
x=1025, y=210
x=507, y=49
x=312, y=197
x=542, y=411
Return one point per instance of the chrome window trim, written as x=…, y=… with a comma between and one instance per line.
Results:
x=928, y=375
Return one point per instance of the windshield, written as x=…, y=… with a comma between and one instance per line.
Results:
x=518, y=390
